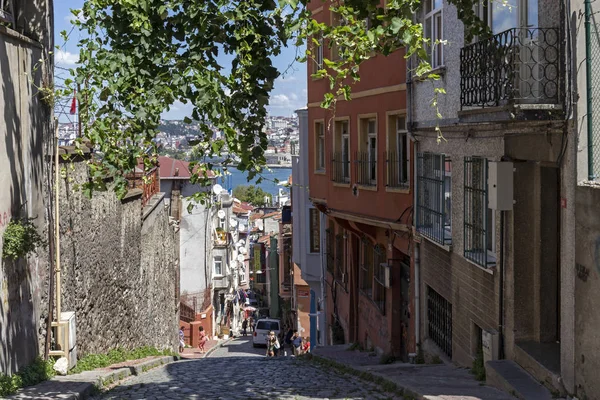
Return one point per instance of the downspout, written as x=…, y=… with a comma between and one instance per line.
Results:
x=57, y=244
x=588, y=79
x=501, y=289
x=417, y=250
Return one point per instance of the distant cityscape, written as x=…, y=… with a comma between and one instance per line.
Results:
x=176, y=138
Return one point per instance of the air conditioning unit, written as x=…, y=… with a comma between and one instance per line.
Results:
x=386, y=275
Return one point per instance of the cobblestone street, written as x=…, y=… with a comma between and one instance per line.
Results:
x=239, y=371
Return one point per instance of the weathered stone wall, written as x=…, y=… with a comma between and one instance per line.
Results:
x=587, y=293
x=119, y=269
x=25, y=126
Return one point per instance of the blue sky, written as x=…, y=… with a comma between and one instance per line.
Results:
x=288, y=95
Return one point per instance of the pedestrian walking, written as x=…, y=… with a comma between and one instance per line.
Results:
x=244, y=326
x=203, y=339
x=297, y=343
x=272, y=344
x=288, y=340
x=181, y=339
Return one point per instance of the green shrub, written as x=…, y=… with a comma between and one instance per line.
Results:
x=115, y=356
x=30, y=375
x=478, y=367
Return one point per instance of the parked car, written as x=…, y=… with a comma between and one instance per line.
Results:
x=262, y=329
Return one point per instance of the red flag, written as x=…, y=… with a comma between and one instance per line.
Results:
x=74, y=103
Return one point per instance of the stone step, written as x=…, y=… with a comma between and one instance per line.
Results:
x=510, y=377
x=550, y=379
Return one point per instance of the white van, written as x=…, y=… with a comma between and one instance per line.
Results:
x=262, y=329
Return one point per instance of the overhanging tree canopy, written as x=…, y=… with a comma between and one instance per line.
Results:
x=140, y=56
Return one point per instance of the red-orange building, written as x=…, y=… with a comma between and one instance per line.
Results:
x=359, y=176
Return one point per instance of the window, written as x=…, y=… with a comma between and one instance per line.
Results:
x=318, y=53
x=439, y=321
x=218, y=265
x=379, y=277
x=315, y=230
x=398, y=153
x=366, y=268
x=479, y=219
x=329, y=244
x=433, y=30
x=340, y=244
x=434, y=197
x=367, y=153
x=320, y=146
x=337, y=50
x=341, y=156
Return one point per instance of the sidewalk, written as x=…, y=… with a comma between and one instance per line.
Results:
x=422, y=381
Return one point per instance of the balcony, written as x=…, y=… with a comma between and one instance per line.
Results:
x=517, y=66
x=396, y=170
x=148, y=182
x=366, y=168
x=340, y=168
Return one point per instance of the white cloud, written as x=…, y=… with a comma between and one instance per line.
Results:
x=71, y=18
x=279, y=101
x=64, y=58
x=286, y=79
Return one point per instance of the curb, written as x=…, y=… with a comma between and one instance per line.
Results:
x=387, y=384
x=215, y=347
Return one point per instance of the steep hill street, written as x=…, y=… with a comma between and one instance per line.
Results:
x=239, y=371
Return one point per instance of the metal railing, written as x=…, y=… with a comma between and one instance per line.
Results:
x=340, y=168
x=186, y=313
x=432, y=216
x=439, y=321
x=476, y=230
x=149, y=183
x=397, y=170
x=518, y=65
x=366, y=168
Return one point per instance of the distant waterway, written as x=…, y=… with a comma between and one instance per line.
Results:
x=268, y=185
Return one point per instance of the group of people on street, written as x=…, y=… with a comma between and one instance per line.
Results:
x=203, y=338
x=291, y=340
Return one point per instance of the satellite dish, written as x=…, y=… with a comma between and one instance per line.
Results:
x=242, y=242
x=241, y=258
x=217, y=189
x=233, y=222
x=243, y=250
x=221, y=214
x=242, y=227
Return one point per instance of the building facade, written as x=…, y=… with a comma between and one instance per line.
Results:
x=308, y=237
x=359, y=177
x=494, y=219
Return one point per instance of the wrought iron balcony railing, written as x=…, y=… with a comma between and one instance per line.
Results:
x=520, y=65
x=340, y=168
x=366, y=168
x=396, y=170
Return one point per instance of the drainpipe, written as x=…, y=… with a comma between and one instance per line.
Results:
x=588, y=78
x=501, y=294
x=57, y=245
x=417, y=251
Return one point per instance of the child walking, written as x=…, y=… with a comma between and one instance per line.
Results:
x=203, y=340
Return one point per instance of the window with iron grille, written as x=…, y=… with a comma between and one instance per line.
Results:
x=341, y=155
x=366, y=268
x=329, y=238
x=366, y=158
x=320, y=146
x=339, y=257
x=479, y=219
x=379, y=277
x=318, y=54
x=434, y=197
x=397, y=157
x=439, y=321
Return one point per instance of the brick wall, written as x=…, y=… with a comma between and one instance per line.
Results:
x=470, y=289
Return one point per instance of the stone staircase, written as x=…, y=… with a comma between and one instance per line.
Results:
x=507, y=375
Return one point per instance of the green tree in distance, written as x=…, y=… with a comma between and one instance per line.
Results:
x=251, y=194
x=137, y=57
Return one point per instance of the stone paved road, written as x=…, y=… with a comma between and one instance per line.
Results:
x=238, y=371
